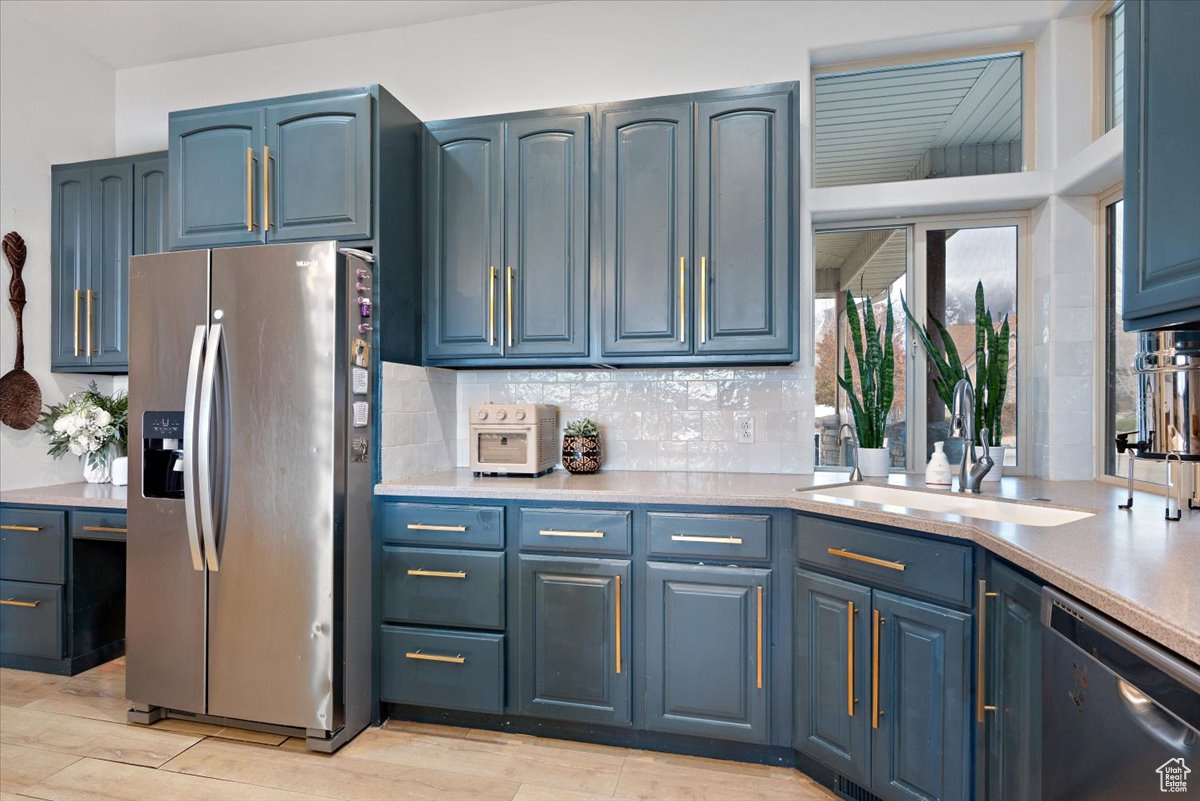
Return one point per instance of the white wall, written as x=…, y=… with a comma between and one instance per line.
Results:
x=55, y=106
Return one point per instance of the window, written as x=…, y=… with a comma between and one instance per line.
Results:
x=954, y=117
x=1114, y=66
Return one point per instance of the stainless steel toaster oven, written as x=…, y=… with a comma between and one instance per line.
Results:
x=515, y=439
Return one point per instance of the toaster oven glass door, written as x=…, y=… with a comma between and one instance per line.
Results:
x=504, y=447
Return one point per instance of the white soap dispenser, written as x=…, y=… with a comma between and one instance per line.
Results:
x=938, y=474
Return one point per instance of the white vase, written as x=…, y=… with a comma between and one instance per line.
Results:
x=997, y=454
x=873, y=462
x=98, y=471
x=120, y=471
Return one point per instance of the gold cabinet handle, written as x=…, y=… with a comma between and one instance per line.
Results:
x=870, y=560
x=508, y=300
x=703, y=299
x=618, y=623
x=759, y=638
x=491, y=305
x=266, y=178
x=876, y=622
x=454, y=660
x=704, y=538
x=454, y=574
x=850, y=612
x=15, y=527
x=981, y=705
x=88, y=342
x=554, y=532
x=107, y=529
x=249, y=189
x=432, y=527
x=22, y=604
x=682, y=298
x=76, y=322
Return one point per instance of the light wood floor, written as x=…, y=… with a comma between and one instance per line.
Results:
x=66, y=739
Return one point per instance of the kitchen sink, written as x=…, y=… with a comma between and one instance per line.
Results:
x=1022, y=514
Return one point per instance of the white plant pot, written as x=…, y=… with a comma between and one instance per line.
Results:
x=100, y=473
x=997, y=454
x=120, y=471
x=873, y=462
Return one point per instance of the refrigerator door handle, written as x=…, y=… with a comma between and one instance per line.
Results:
x=190, y=449
x=204, y=447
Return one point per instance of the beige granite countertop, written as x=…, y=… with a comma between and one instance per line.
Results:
x=107, y=496
x=1134, y=566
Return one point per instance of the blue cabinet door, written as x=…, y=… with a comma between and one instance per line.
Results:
x=546, y=243
x=833, y=673
x=745, y=300
x=215, y=178
x=106, y=297
x=707, y=651
x=646, y=229
x=1162, y=165
x=317, y=169
x=71, y=234
x=150, y=206
x=921, y=748
x=1013, y=685
x=464, y=208
x=574, y=639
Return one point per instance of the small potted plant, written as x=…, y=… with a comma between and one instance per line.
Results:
x=875, y=356
x=90, y=425
x=581, y=447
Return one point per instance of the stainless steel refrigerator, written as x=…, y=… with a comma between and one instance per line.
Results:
x=248, y=552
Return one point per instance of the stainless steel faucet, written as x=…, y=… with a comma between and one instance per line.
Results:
x=855, y=474
x=962, y=426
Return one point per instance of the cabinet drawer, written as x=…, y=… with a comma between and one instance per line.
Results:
x=98, y=525
x=31, y=545
x=451, y=669
x=444, y=525
x=568, y=530
x=31, y=619
x=716, y=536
x=903, y=561
x=444, y=588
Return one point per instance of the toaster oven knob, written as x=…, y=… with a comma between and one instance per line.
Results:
x=481, y=414
x=501, y=414
x=519, y=414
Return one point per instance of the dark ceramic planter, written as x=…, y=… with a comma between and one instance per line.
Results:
x=581, y=454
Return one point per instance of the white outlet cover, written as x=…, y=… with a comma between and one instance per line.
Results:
x=744, y=426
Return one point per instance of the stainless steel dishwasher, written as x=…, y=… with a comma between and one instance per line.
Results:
x=1121, y=715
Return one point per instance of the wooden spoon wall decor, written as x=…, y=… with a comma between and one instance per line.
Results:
x=20, y=395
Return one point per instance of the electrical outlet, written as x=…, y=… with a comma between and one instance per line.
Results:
x=744, y=426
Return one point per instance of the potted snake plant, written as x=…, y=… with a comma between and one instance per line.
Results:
x=875, y=357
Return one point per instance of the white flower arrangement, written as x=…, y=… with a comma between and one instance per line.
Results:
x=90, y=425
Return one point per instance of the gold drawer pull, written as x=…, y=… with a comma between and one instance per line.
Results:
x=553, y=532
x=431, y=527
x=870, y=560
x=759, y=640
x=15, y=602
x=12, y=527
x=702, y=538
x=108, y=529
x=850, y=611
x=876, y=622
x=455, y=574
x=618, y=624
x=454, y=660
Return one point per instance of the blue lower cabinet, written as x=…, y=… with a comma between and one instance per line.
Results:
x=444, y=587
x=448, y=669
x=574, y=638
x=921, y=747
x=833, y=673
x=707, y=643
x=31, y=622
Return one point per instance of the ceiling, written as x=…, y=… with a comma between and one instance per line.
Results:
x=133, y=33
x=876, y=125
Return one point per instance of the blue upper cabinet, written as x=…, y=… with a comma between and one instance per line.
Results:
x=316, y=169
x=546, y=238
x=106, y=299
x=70, y=224
x=215, y=178
x=645, y=205
x=150, y=206
x=1162, y=165
x=745, y=295
x=464, y=241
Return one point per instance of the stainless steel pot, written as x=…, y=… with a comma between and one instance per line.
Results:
x=1168, y=402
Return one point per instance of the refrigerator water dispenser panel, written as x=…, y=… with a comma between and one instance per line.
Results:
x=162, y=454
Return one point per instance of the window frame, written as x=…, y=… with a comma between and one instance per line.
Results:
x=1100, y=69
